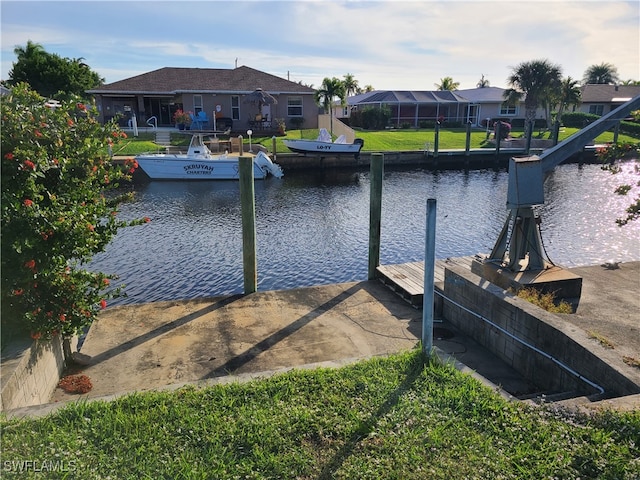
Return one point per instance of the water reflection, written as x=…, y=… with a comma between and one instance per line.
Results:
x=313, y=228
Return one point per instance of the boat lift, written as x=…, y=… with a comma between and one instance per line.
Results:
x=519, y=246
x=518, y=257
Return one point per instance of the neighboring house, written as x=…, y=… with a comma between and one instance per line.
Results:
x=461, y=106
x=601, y=99
x=219, y=92
x=488, y=103
x=412, y=107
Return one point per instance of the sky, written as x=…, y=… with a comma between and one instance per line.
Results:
x=387, y=44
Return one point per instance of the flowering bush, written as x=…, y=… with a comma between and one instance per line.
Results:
x=182, y=117
x=59, y=208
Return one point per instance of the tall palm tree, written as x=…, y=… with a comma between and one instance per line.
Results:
x=605, y=73
x=447, y=83
x=351, y=86
x=536, y=80
x=330, y=89
x=483, y=82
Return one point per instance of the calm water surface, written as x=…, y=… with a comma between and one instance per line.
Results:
x=312, y=228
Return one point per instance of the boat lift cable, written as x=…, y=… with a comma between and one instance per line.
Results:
x=526, y=344
x=544, y=248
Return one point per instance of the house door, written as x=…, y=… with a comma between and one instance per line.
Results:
x=473, y=113
x=159, y=108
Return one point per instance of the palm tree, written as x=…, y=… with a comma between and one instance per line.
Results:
x=536, y=80
x=605, y=73
x=326, y=94
x=483, y=82
x=630, y=82
x=351, y=85
x=447, y=83
x=368, y=88
x=568, y=95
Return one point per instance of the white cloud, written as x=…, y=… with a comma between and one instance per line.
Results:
x=388, y=44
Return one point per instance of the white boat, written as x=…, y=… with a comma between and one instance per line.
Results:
x=200, y=164
x=323, y=145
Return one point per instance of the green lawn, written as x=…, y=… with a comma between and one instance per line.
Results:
x=376, y=141
x=386, y=418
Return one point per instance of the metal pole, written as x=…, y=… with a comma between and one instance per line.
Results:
x=375, y=212
x=429, y=268
x=436, y=140
x=248, y=205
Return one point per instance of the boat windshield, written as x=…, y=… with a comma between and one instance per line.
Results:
x=196, y=141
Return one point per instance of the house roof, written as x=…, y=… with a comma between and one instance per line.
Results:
x=172, y=80
x=483, y=95
x=406, y=96
x=599, y=93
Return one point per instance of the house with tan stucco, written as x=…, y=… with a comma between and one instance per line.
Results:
x=154, y=97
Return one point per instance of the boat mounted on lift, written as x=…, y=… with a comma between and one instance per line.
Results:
x=324, y=146
x=199, y=163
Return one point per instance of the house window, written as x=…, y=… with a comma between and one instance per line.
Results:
x=197, y=104
x=596, y=109
x=506, y=109
x=294, y=106
x=235, y=107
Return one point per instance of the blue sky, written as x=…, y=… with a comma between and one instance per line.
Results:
x=402, y=45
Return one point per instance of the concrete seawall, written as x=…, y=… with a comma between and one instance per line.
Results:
x=446, y=160
x=167, y=344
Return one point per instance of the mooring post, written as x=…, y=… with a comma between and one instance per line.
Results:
x=273, y=148
x=529, y=135
x=436, y=140
x=467, y=145
x=556, y=132
x=248, y=206
x=429, y=268
x=240, y=146
x=497, y=135
x=375, y=212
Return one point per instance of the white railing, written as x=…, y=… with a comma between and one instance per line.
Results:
x=153, y=122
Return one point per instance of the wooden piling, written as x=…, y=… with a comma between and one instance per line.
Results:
x=375, y=212
x=467, y=144
x=248, y=207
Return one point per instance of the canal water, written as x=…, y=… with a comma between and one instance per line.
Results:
x=312, y=228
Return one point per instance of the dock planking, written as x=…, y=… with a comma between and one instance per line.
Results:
x=407, y=279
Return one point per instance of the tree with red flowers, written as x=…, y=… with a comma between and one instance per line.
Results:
x=59, y=208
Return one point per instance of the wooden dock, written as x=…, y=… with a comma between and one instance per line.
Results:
x=407, y=279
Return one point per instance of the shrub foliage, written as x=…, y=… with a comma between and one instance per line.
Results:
x=59, y=208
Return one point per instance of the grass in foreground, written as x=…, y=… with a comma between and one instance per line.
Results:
x=391, y=418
